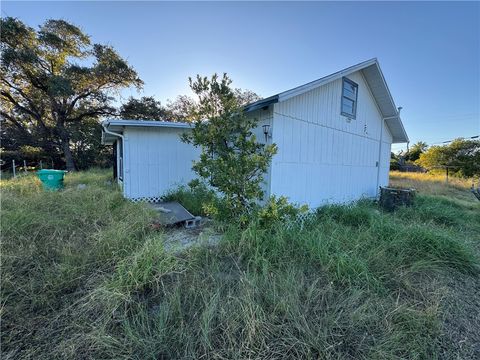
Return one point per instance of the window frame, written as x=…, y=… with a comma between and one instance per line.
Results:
x=354, y=84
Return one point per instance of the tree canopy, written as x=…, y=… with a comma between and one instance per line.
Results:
x=183, y=107
x=461, y=156
x=54, y=79
x=145, y=108
x=416, y=150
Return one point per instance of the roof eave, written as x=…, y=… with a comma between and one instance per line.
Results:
x=144, y=123
x=395, y=125
x=260, y=104
x=332, y=77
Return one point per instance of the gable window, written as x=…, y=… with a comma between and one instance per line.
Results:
x=349, y=98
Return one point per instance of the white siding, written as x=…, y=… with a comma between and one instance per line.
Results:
x=263, y=117
x=155, y=161
x=385, y=158
x=323, y=157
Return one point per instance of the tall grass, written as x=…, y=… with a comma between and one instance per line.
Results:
x=83, y=276
x=54, y=244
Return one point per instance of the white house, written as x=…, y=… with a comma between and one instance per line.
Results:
x=334, y=137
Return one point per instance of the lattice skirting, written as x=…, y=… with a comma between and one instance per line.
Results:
x=149, y=199
x=300, y=220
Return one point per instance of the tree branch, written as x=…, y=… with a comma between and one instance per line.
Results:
x=92, y=112
x=22, y=93
x=12, y=100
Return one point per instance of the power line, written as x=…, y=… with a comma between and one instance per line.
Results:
x=455, y=116
x=449, y=141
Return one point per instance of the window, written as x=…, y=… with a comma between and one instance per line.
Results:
x=349, y=98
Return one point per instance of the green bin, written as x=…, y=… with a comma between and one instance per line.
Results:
x=51, y=179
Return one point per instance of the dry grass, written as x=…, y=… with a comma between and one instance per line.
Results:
x=434, y=184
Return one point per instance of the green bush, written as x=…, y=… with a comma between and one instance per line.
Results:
x=278, y=210
x=394, y=164
x=196, y=198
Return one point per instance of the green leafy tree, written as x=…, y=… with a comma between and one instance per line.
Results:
x=54, y=78
x=232, y=160
x=463, y=156
x=394, y=164
x=181, y=108
x=86, y=146
x=145, y=108
x=415, y=151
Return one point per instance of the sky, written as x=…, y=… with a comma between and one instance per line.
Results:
x=429, y=52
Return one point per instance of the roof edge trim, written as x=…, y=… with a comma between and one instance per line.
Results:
x=145, y=123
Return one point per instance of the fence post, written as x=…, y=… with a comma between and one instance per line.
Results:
x=13, y=167
x=41, y=165
x=25, y=166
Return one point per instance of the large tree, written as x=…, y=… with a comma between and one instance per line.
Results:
x=145, y=108
x=54, y=79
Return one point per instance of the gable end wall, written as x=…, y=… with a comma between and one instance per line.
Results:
x=322, y=156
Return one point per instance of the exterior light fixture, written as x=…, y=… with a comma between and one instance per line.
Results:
x=266, y=131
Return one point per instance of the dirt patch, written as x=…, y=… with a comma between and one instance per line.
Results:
x=461, y=325
x=178, y=238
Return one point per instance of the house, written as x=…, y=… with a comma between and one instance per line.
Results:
x=334, y=137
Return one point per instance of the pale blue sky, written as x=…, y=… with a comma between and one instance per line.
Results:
x=429, y=52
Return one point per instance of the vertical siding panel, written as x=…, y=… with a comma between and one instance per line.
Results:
x=136, y=164
x=126, y=166
x=311, y=142
x=282, y=136
x=304, y=141
x=318, y=144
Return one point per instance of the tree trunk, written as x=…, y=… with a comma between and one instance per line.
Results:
x=65, y=143
x=70, y=163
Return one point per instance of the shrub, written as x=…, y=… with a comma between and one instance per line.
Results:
x=278, y=210
x=196, y=197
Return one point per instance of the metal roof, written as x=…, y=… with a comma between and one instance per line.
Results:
x=118, y=125
x=373, y=76
x=261, y=103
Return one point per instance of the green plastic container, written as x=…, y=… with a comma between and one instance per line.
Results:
x=51, y=179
